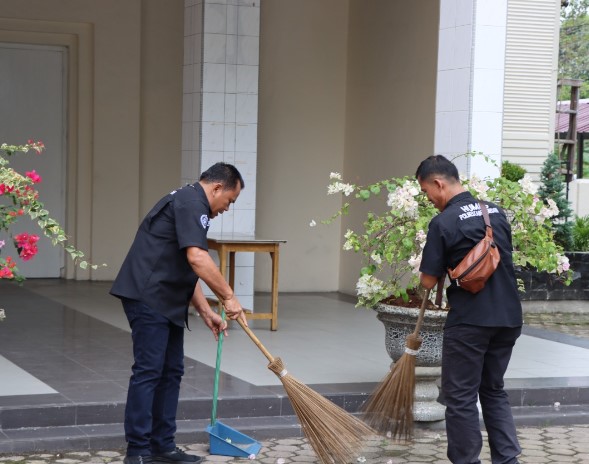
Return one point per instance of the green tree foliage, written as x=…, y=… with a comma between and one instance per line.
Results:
x=552, y=189
x=581, y=234
x=573, y=59
x=512, y=171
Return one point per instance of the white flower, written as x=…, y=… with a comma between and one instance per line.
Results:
x=563, y=264
x=368, y=286
x=480, y=187
x=251, y=457
x=335, y=175
x=347, y=245
x=402, y=199
x=415, y=262
x=528, y=185
x=337, y=187
x=552, y=207
x=312, y=223
x=2, y=243
x=421, y=237
x=376, y=258
x=556, y=405
x=280, y=461
x=361, y=459
x=2, y=314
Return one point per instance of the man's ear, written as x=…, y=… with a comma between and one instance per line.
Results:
x=439, y=183
x=217, y=187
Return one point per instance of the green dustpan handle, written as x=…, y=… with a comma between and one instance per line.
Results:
x=217, y=374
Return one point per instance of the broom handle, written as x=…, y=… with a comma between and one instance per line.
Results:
x=256, y=340
x=439, y=291
x=251, y=335
x=421, y=313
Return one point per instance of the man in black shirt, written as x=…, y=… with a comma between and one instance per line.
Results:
x=156, y=283
x=481, y=329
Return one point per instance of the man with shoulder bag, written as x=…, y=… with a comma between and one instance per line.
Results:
x=485, y=316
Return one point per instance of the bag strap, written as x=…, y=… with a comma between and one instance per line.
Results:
x=485, y=213
x=488, y=228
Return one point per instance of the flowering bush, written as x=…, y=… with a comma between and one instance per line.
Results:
x=392, y=242
x=18, y=198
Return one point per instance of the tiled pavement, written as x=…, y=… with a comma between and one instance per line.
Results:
x=540, y=445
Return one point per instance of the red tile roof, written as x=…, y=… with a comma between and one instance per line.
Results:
x=562, y=119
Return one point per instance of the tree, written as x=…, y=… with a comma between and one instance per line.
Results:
x=552, y=191
x=573, y=61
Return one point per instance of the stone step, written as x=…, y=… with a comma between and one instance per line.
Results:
x=99, y=426
x=111, y=436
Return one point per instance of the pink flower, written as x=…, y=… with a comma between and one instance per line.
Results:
x=26, y=245
x=6, y=189
x=6, y=273
x=2, y=243
x=36, y=178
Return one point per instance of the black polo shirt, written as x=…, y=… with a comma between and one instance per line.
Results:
x=156, y=270
x=451, y=235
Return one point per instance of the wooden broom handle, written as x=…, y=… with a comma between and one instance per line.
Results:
x=439, y=291
x=250, y=334
x=421, y=313
x=256, y=340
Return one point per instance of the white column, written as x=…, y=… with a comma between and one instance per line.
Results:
x=471, y=72
x=220, y=113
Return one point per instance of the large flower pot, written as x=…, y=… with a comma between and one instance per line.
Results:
x=400, y=322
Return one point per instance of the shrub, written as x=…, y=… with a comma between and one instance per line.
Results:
x=580, y=233
x=511, y=171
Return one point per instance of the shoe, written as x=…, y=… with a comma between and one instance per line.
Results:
x=176, y=456
x=138, y=460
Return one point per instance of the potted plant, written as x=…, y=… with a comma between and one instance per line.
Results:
x=391, y=244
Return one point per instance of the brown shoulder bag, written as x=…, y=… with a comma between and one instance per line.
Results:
x=480, y=262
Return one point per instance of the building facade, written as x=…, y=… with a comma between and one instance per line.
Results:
x=154, y=91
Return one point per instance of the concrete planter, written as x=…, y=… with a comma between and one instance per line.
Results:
x=543, y=286
x=400, y=322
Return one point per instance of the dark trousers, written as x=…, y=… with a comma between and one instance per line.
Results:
x=474, y=361
x=154, y=387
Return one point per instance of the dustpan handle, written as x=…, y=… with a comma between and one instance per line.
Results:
x=217, y=373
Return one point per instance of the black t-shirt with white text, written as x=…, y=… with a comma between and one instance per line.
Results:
x=451, y=235
x=156, y=270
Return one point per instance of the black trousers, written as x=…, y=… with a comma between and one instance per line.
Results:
x=154, y=387
x=474, y=361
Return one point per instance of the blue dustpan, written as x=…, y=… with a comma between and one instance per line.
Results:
x=223, y=440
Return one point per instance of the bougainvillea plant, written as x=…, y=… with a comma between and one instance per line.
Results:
x=20, y=198
x=392, y=242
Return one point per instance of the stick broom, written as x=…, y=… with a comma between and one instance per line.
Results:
x=390, y=406
x=334, y=434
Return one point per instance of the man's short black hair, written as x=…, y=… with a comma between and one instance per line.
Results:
x=225, y=173
x=437, y=165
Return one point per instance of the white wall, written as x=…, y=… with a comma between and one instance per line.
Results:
x=303, y=61
x=124, y=111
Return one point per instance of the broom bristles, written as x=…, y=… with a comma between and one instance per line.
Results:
x=390, y=406
x=334, y=434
